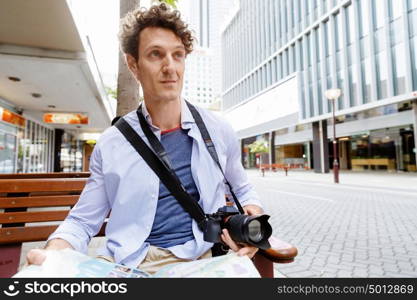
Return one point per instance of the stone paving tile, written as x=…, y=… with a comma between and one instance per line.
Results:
x=355, y=229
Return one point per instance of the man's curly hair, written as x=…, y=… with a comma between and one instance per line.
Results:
x=156, y=16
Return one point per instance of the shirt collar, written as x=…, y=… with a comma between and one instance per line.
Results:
x=186, y=116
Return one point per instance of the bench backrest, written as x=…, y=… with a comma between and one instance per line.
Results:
x=35, y=200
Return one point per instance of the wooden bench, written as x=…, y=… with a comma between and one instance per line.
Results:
x=361, y=163
x=55, y=196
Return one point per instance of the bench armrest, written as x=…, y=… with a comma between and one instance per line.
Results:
x=280, y=251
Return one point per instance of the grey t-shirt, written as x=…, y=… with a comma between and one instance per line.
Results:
x=172, y=224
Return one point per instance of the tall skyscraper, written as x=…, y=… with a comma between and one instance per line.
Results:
x=203, y=75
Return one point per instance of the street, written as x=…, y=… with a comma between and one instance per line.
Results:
x=365, y=227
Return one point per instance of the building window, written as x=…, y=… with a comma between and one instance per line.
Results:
x=378, y=13
x=399, y=69
x=364, y=17
x=382, y=75
x=413, y=43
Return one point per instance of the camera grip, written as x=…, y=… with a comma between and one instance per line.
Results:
x=280, y=251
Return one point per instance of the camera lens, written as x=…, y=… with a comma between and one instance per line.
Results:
x=255, y=231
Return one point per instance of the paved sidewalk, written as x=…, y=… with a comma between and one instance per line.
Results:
x=366, y=226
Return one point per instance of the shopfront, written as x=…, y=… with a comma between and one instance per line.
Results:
x=248, y=158
x=388, y=149
x=11, y=127
x=71, y=154
x=379, y=139
x=294, y=156
x=27, y=146
x=8, y=157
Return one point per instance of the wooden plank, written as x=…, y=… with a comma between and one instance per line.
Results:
x=38, y=201
x=45, y=175
x=12, y=235
x=41, y=185
x=33, y=216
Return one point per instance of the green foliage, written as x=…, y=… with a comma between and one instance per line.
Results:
x=172, y=3
x=260, y=146
x=111, y=92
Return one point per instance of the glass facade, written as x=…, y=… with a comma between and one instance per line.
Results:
x=27, y=149
x=35, y=148
x=384, y=149
x=8, y=137
x=368, y=48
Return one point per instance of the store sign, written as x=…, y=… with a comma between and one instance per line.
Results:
x=12, y=118
x=65, y=118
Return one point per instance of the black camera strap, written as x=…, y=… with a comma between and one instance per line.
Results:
x=160, y=167
x=211, y=149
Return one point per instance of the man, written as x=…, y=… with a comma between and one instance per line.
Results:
x=147, y=227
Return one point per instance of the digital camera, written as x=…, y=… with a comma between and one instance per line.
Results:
x=253, y=230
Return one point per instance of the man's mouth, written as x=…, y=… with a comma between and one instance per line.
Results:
x=168, y=81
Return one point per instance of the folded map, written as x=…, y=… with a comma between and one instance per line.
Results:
x=70, y=263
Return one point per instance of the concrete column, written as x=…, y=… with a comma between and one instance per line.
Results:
x=58, y=133
x=320, y=147
x=272, y=147
x=307, y=154
x=415, y=127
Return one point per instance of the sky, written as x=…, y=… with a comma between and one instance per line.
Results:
x=99, y=19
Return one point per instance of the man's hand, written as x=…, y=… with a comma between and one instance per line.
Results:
x=252, y=210
x=242, y=249
x=38, y=256
x=239, y=248
x=35, y=257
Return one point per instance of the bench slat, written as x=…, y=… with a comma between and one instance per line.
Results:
x=33, y=216
x=45, y=175
x=38, y=201
x=11, y=235
x=41, y=185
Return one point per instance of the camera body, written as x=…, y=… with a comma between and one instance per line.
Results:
x=253, y=230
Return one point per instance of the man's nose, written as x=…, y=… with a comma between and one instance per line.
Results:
x=168, y=65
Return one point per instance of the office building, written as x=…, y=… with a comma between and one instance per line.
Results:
x=280, y=56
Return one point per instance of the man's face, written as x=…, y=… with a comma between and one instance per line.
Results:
x=160, y=65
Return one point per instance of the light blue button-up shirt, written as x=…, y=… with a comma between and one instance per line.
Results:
x=123, y=184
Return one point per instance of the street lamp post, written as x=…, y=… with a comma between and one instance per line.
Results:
x=332, y=95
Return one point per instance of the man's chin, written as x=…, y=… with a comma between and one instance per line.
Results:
x=169, y=97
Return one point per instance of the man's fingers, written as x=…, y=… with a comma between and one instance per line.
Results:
x=249, y=251
x=252, y=210
x=36, y=257
x=228, y=240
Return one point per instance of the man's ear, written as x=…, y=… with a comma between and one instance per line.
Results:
x=132, y=64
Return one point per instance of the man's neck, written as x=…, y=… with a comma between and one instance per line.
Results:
x=165, y=115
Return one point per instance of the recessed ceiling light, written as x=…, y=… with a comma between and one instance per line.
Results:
x=51, y=106
x=36, y=95
x=15, y=79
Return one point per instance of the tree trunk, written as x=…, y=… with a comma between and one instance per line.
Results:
x=127, y=87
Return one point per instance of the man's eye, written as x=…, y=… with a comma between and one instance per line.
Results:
x=179, y=55
x=155, y=53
